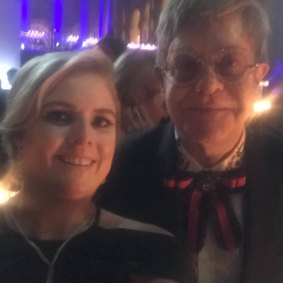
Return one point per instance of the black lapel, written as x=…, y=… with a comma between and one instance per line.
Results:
x=167, y=153
x=168, y=158
x=261, y=209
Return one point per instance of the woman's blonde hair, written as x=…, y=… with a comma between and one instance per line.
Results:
x=40, y=76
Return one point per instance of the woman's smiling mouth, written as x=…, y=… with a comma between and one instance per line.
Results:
x=77, y=161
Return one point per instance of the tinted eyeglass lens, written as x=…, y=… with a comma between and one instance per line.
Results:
x=231, y=66
x=186, y=68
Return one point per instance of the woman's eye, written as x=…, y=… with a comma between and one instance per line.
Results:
x=102, y=122
x=57, y=117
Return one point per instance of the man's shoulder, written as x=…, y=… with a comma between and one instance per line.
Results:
x=137, y=173
x=266, y=144
x=267, y=137
x=145, y=144
x=148, y=137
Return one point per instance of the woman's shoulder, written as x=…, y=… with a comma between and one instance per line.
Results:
x=128, y=237
x=139, y=247
x=109, y=220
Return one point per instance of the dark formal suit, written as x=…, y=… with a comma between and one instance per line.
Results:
x=135, y=189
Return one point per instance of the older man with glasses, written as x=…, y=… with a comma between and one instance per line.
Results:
x=209, y=175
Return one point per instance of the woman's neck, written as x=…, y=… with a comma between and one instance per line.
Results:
x=49, y=220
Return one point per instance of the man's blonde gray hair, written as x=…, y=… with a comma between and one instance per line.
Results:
x=180, y=14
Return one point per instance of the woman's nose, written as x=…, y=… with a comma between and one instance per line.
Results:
x=81, y=134
x=210, y=82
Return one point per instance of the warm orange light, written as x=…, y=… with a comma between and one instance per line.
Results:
x=262, y=105
x=5, y=194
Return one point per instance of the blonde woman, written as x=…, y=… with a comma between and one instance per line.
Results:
x=60, y=131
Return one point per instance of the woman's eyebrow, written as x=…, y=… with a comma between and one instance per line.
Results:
x=57, y=103
x=105, y=111
x=68, y=105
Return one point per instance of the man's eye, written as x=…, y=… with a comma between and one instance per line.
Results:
x=186, y=68
x=59, y=117
x=230, y=65
x=102, y=122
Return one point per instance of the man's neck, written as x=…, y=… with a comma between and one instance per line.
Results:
x=208, y=155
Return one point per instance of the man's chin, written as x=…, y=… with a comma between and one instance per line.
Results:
x=205, y=133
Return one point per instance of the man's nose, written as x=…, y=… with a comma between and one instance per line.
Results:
x=209, y=82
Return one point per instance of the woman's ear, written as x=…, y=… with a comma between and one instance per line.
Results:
x=161, y=80
x=18, y=142
x=159, y=75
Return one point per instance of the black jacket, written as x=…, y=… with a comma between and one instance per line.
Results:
x=135, y=189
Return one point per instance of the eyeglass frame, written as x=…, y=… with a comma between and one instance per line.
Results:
x=167, y=70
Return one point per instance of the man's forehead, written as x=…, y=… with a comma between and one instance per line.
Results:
x=208, y=36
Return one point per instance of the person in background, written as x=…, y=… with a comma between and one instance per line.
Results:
x=139, y=91
x=60, y=131
x=112, y=47
x=3, y=155
x=212, y=175
x=2, y=91
x=11, y=73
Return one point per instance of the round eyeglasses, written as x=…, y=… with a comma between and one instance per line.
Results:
x=230, y=66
